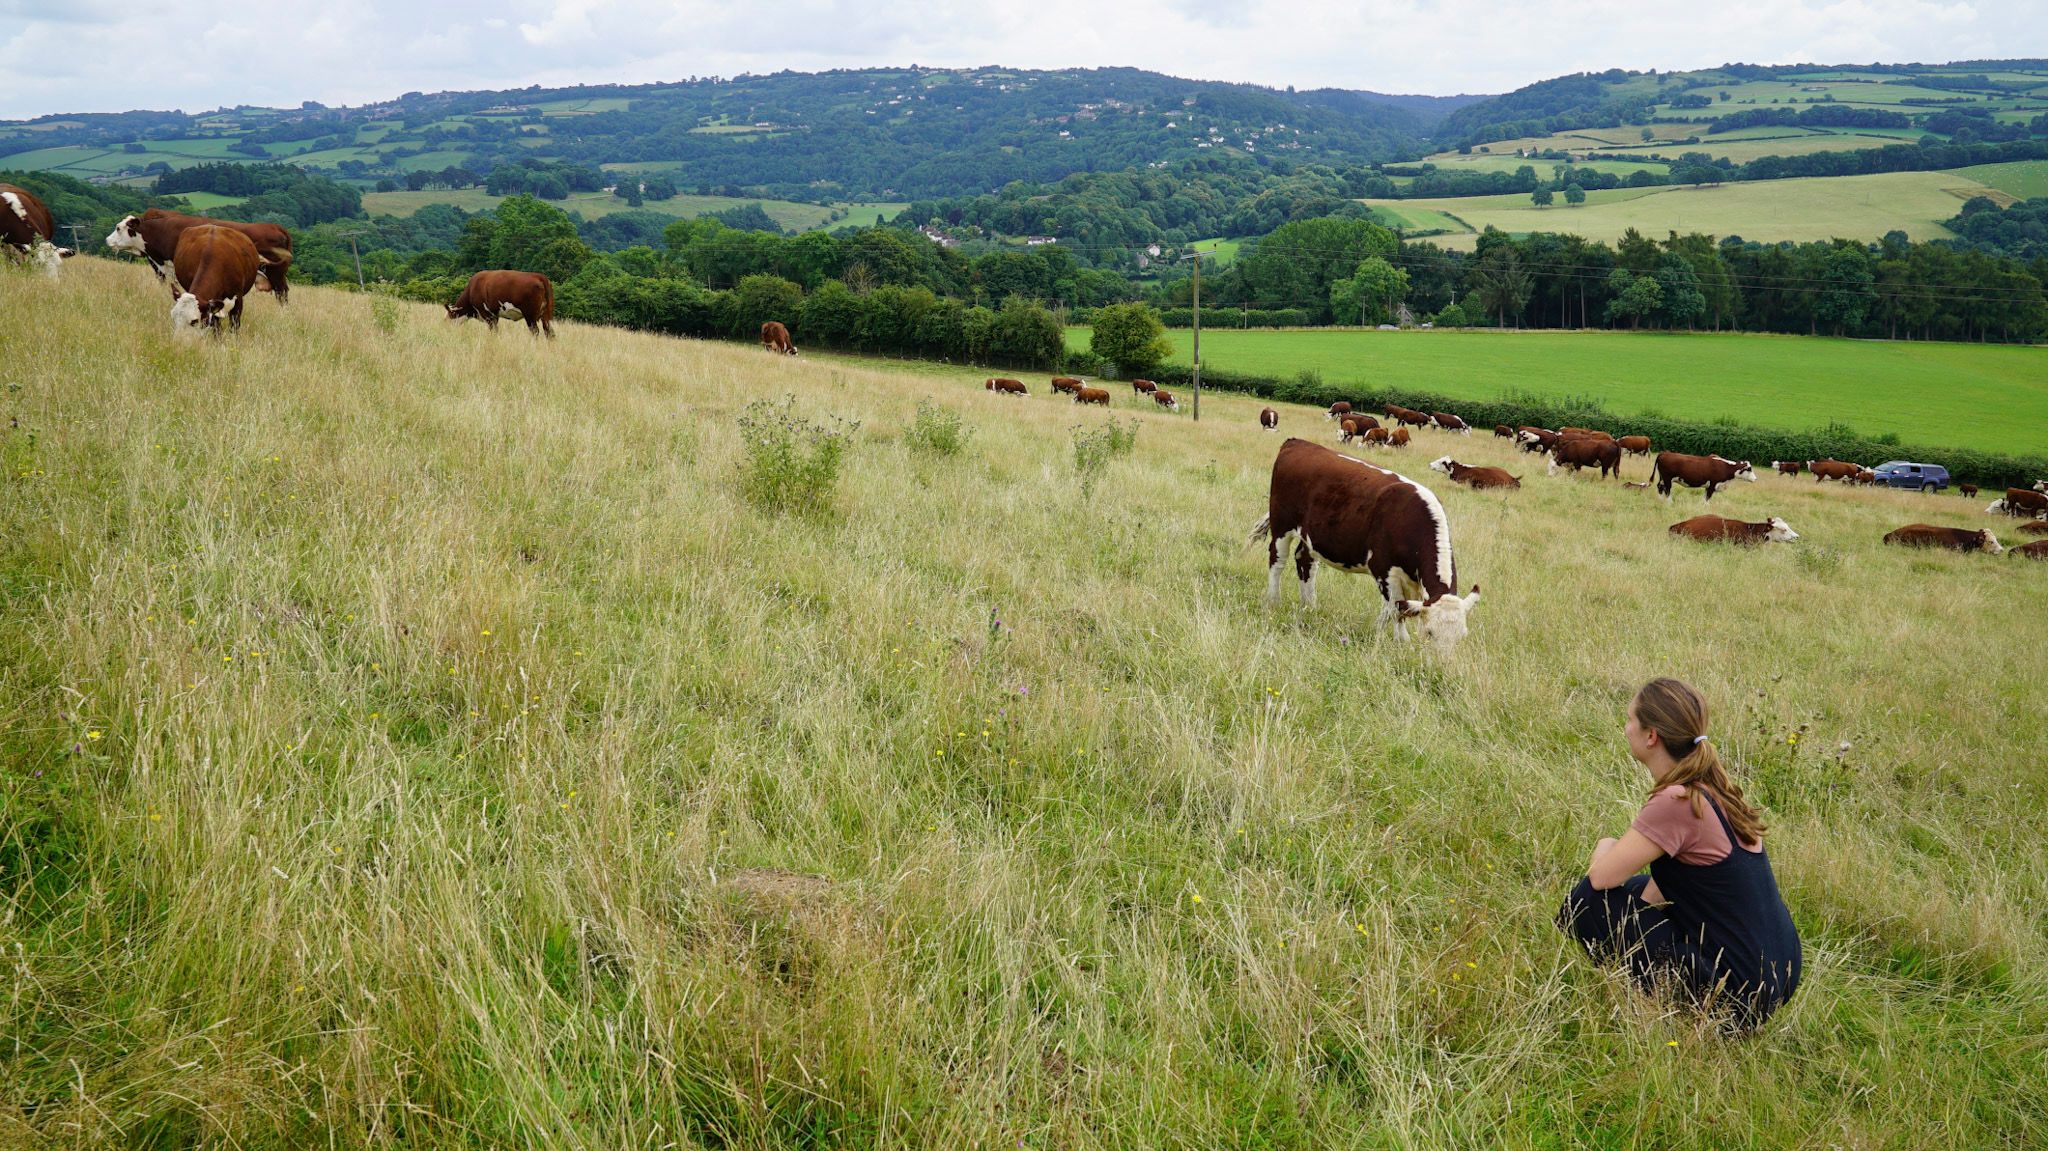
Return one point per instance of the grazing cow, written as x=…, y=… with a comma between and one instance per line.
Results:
x=1864, y=477
x=1143, y=387
x=1577, y=452
x=1355, y=425
x=774, y=337
x=1399, y=438
x=1349, y=513
x=2035, y=527
x=1340, y=408
x=1708, y=472
x=1969, y=491
x=1503, y=432
x=531, y=296
x=1958, y=539
x=1408, y=416
x=1788, y=467
x=1593, y=432
x=2021, y=502
x=154, y=236
x=27, y=230
x=1636, y=445
x=1004, y=386
x=1476, y=477
x=1537, y=439
x=1092, y=396
x=1450, y=423
x=217, y=267
x=1832, y=470
x=1165, y=399
x=1773, y=530
x=2037, y=550
x=1269, y=419
x=1377, y=436
x=1067, y=384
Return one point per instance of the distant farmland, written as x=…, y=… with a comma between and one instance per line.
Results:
x=791, y=215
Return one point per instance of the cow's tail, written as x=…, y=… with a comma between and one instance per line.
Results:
x=1260, y=530
x=547, y=307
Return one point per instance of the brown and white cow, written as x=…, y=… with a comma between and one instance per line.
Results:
x=1536, y=439
x=1092, y=396
x=529, y=296
x=2037, y=550
x=1708, y=472
x=1788, y=467
x=774, y=336
x=1399, y=438
x=1503, y=432
x=1596, y=433
x=1864, y=477
x=1832, y=470
x=217, y=267
x=1361, y=518
x=1475, y=477
x=1269, y=419
x=1408, y=416
x=1143, y=387
x=1353, y=426
x=154, y=236
x=1165, y=399
x=1338, y=410
x=2035, y=527
x=28, y=231
x=1004, y=386
x=1773, y=530
x=1067, y=384
x=1636, y=445
x=1577, y=452
x=2024, y=502
x=1958, y=539
x=2041, y=486
x=1377, y=437
x=1450, y=423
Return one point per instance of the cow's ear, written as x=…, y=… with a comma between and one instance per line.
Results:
x=1409, y=608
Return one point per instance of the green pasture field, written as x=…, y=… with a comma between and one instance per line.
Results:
x=414, y=737
x=789, y=214
x=2022, y=178
x=583, y=107
x=1510, y=164
x=1741, y=147
x=1402, y=214
x=1221, y=251
x=1927, y=393
x=203, y=202
x=1816, y=208
x=1794, y=93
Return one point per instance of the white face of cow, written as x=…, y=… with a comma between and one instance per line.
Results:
x=186, y=318
x=1742, y=469
x=1443, y=465
x=124, y=237
x=1781, y=532
x=1443, y=621
x=1991, y=542
x=49, y=257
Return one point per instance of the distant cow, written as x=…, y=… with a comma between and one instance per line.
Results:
x=2021, y=502
x=1864, y=477
x=1503, y=432
x=1577, y=452
x=2037, y=550
x=1788, y=467
x=1377, y=437
x=1165, y=399
x=1708, y=472
x=1476, y=477
x=1340, y=408
x=1092, y=396
x=1958, y=539
x=1968, y=491
x=1450, y=423
x=774, y=337
x=154, y=236
x=1408, y=416
x=1067, y=384
x=1636, y=445
x=1143, y=387
x=1004, y=386
x=529, y=296
x=27, y=230
x=217, y=267
x=2041, y=486
x=2035, y=527
x=1355, y=425
x=1593, y=432
x=1773, y=530
x=1357, y=517
x=1536, y=439
x=1832, y=470
x=1269, y=419
x=1399, y=438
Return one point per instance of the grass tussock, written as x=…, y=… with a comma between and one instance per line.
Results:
x=416, y=738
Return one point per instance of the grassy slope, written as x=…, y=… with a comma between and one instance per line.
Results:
x=1929, y=393
x=2023, y=178
x=1815, y=208
x=438, y=706
x=791, y=215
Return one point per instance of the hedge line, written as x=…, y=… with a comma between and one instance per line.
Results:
x=1725, y=438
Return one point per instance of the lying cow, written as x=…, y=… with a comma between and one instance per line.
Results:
x=28, y=231
x=1475, y=477
x=1092, y=396
x=1788, y=467
x=217, y=268
x=1957, y=539
x=1067, y=384
x=1269, y=419
x=1708, y=472
x=1143, y=387
x=527, y=296
x=1773, y=530
x=1357, y=517
x=2035, y=527
x=1832, y=470
x=1577, y=452
x=2038, y=550
x=154, y=236
x=1450, y=423
x=1165, y=399
x=2021, y=502
x=1636, y=445
x=774, y=338
x=1004, y=386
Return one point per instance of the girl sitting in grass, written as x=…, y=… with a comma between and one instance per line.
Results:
x=1707, y=920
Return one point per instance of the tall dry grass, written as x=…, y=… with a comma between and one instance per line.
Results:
x=418, y=739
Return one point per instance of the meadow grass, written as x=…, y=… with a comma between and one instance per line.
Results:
x=1925, y=393
x=791, y=215
x=416, y=740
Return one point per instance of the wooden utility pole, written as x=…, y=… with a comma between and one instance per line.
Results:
x=1198, y=336
x=359, y=258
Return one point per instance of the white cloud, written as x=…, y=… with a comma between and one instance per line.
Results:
x=95, y=55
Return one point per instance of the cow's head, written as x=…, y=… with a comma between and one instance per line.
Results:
x=126, y=237
x=457, y=312
x=49, y=257
x=1443, y=465
x=187, y=317
x=1781, y=532
x=1994, y=507
x=1442, y=620
x=1742, y=469
x=1990, y=541
x=2041, y=486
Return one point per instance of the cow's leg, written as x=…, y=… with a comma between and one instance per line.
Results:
x=1710, y=490
x=1274, y=551
x=1305, y=571
x=235, y=314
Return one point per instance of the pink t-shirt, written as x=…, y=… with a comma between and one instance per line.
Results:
x=1667, y=821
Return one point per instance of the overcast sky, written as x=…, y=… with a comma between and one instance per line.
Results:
x=115, y=55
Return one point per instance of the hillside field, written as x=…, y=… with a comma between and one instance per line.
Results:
x=414, y=738
x=1813, y=208
x=791, y=215
x=1928, y=393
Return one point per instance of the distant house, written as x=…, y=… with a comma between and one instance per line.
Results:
x=1034, y=241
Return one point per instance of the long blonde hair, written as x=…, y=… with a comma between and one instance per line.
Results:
x=1678, y=715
